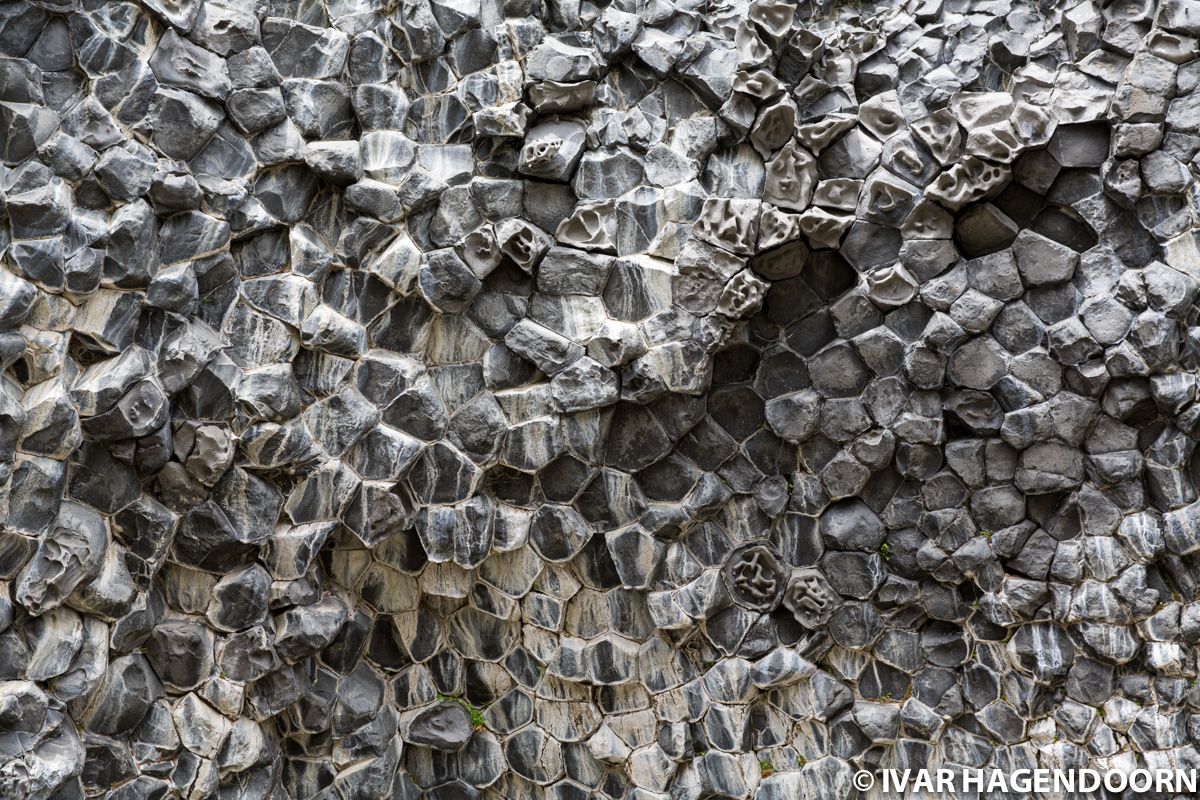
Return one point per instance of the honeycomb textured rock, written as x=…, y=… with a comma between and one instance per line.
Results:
x=656, y=399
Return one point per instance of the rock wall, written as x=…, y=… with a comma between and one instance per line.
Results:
x=465, y=398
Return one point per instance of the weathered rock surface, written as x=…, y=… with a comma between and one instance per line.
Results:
x=636, y=400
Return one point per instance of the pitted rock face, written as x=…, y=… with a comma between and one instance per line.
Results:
x=742, y=296
x=755, y=577
x=642, y=399
x=810, y=598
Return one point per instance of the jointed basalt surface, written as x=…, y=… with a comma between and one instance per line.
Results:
x=456, y=398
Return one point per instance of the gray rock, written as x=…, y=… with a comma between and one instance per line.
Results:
x=23, y=706
x=122, y=699
x=69, y=553
x=183, y=122
x=755, y=577
x=336, y=162
x=548, y=350
x=596, y=374
x=1042, y=650
x=852, y=525
x=304, y=630
x=444, y=726
x=558, y=532
x=555, y=60
x=1042, y=260
x=181, y=652
x=1048, y=467
x=584, y=384
x=984, y=229
x=179, y=63
x=304, y=51
x=978, y=364
x=552, y=150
